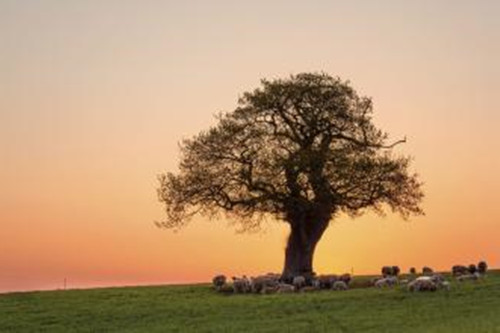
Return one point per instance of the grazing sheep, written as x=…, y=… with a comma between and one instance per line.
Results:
x=423, y=283
x=472, y=269
x=218, y=281
x=241, y=285
x=440, y=282
x=482, y=267
x=386, y=282
x=381, y=283
x=299, y=282
x=458, y=270
x=392, y=280
x=396, y=270
x=258, y=283
x=285, y=288
x=437, y=278
x=316, y=284
x=427, y=270
x=269, y=290
x=340, y=285
x=226, y=289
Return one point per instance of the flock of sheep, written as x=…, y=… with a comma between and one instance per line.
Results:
x=272, y=283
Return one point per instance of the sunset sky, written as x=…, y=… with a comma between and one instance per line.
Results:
x=96, y=95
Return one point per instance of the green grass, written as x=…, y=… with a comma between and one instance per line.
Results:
x=468, y=307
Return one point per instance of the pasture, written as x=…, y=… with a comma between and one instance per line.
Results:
x=467, y=307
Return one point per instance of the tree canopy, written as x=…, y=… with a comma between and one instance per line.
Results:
x=299, y=150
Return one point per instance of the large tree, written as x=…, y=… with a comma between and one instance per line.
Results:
x=300, y=150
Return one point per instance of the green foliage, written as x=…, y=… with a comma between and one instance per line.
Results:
x=468, y=307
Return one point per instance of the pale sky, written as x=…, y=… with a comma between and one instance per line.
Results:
x=96, y=95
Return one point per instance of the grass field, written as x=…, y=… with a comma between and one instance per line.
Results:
x=468, y=307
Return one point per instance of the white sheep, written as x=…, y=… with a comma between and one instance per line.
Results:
x=388, y=281
x=262, y=281
x=339, y=285
x=268, y=290
x=423, y=283
x=299, y=282
x=285, y=288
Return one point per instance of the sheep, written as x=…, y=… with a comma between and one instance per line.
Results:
x=392, y=280
x=423, y=283
x=458, y=270
x=226, y=289
x=346, y=278
x=440, y=282
x=427, y=270
x=482, y=267
x=259, y=282
x=380, y=283
x=386, y=282
x=218, y=281
x=241, y=285
x=299, y=282
x=268, y=290
x=390, y=271
x=437, y=278
x=285, y=288
x=327, y=281
x=386, y=271
x=340, y=285
x=256, y=284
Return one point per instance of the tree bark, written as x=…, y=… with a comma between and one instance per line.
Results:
x=300, y=248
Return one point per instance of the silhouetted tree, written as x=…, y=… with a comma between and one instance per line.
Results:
x=299, y=150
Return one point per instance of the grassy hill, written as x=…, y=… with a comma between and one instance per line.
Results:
x=468, y=307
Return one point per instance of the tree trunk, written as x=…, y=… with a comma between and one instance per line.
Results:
x=300, y=248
